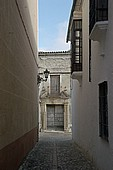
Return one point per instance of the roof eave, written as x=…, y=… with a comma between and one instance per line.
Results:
x=70, y=20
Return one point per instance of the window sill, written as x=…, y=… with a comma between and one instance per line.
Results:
x=105, y=138
x=99, y=34
x=78, y=76
x=99, y=30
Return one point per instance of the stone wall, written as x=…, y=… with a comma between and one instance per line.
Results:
x=58, y=63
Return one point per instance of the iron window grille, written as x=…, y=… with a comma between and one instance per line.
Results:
x=103, y=110
x=98, y=12
x=76, y=46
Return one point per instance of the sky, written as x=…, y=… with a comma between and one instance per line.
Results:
x=53, y=24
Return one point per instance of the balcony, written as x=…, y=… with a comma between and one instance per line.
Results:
x=76, y=67
x=98, y=22
x=76, y=48
x=98, y=13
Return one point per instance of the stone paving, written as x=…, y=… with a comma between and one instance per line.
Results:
x=56, y=151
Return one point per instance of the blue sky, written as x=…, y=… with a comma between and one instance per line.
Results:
x=53, y=23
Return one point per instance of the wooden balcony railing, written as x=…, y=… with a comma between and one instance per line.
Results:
x=75, y=67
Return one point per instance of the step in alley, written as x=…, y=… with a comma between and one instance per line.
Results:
x=56, y=151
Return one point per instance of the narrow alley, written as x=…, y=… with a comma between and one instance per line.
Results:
x=56, y=151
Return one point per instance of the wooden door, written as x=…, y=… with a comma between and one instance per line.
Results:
x=55, y=117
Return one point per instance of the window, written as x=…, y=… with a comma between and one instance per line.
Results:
x=98, y=12
x=89, y=60
x=103, y=110
x=76, y=45
x=55, y=84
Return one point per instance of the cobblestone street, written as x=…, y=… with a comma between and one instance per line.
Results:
x=56, y=151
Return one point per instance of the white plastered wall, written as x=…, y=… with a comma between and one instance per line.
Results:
x=86, y=110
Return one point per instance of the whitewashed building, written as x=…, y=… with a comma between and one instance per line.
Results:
x=90, y=31
x=55, y=113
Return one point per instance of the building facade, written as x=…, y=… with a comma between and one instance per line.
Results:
x=18, y=81
x=55, y=113
x=91, y=34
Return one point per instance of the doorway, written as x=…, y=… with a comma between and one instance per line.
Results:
x=55, y=117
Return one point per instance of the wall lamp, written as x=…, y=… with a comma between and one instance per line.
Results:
x=40, y=79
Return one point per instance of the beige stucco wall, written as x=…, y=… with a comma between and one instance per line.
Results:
x=85, y=98
x=28, y=10
x=18, y=69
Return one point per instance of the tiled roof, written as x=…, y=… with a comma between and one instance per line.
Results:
x=53, y=52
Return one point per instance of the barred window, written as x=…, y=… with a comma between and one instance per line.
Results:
x=76, y=45
x=103, y=110
x=89, y=60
